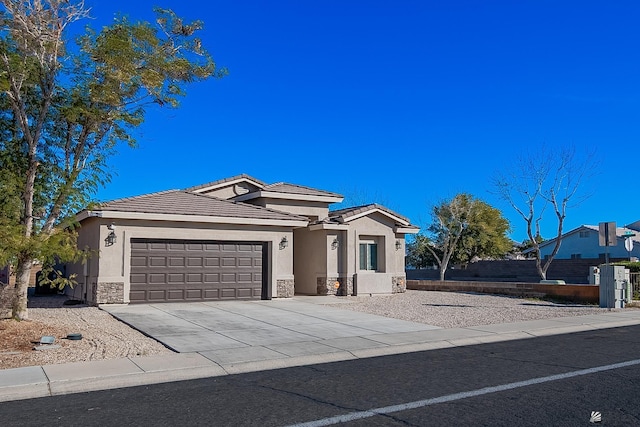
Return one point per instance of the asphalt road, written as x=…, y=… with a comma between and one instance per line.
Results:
x=557, y=380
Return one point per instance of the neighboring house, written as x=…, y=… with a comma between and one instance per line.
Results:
x=238, y=238
x=583, y=242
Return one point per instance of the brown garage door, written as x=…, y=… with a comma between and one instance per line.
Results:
x=193, y=270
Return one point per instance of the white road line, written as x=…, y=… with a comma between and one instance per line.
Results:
x=462, y=395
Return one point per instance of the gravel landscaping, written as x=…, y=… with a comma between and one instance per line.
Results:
x=104, y=337
x=460, y=309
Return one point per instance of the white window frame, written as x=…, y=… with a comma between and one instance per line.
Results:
x=366, y=245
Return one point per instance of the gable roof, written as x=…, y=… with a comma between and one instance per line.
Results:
x=283, y=187
x=225, y=182
x=620, y=233
x=349, y=214
x=283, y=190
x=279, y=190
x=182, y=205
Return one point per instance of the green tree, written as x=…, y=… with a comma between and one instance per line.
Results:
x=66, y=107
x=417, y=253
x=450, y=219
x=485, y=235
x=463, y=228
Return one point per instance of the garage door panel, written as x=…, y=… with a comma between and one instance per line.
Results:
x=228, y=262
x=212, y=262
x=244, y=277
x=175, y=278
x=175, y=295
x=211, y=293
x=194, y=294
x=194, y=278
x=167, y=270
x=228, y=278
x=244, y=293
x=156, y=261
x=138, y=278
x=157, y=278
x=156, y=295
x=212, y=278
x=245, y=262
x=228, y=293
x=194, y=262
x=176, y=261
x=139, y=261
x=138, y=245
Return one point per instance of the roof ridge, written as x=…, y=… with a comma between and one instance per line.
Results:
x=276, y=183
x=235, y=202
x=351, y=208
x=305, y=187
x=369, y=206
x=224, y=180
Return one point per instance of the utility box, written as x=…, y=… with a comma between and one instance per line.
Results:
x=594, y=275
x=614, y=286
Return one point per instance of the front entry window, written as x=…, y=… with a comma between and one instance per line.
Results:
x=368, y=256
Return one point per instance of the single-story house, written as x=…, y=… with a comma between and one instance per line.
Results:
x=583, y=242
x=238, y=238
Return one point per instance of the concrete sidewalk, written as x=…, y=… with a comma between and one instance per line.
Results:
x=51, y=380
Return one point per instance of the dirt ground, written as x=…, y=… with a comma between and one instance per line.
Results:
x=103, y=337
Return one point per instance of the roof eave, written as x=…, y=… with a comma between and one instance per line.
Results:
x=325, y=226
x=401, y=221
x=193, y=218
x=206, y=189
x=287, y=196
x=406, y=230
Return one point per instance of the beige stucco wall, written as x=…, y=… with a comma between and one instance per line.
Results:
x=315, y=259
x=379, y=228
x=231, y=190
x=310, y=259
x=335, y=257
x=86, y=273
x=313, y=210
x=114, y=266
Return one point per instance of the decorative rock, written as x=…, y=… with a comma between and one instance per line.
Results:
x=46, y=347
x=47, y=339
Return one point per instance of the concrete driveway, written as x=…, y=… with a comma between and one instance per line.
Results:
x=242, y=331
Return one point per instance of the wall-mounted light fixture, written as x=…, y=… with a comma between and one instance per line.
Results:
x=284, y=242
x=335, y=244
x=398, y=245
x=111, y=237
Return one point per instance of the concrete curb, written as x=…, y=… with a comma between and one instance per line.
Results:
x=52, y=380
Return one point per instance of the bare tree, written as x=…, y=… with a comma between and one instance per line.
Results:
x=548, y=179
x=450, y=219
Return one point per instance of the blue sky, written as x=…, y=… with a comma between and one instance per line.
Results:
x=401, y=102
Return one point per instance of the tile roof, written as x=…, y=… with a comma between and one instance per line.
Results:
x=620, y=233
x=225, y=180
x=356, y=210
x=179, y=202
x=283, y=187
